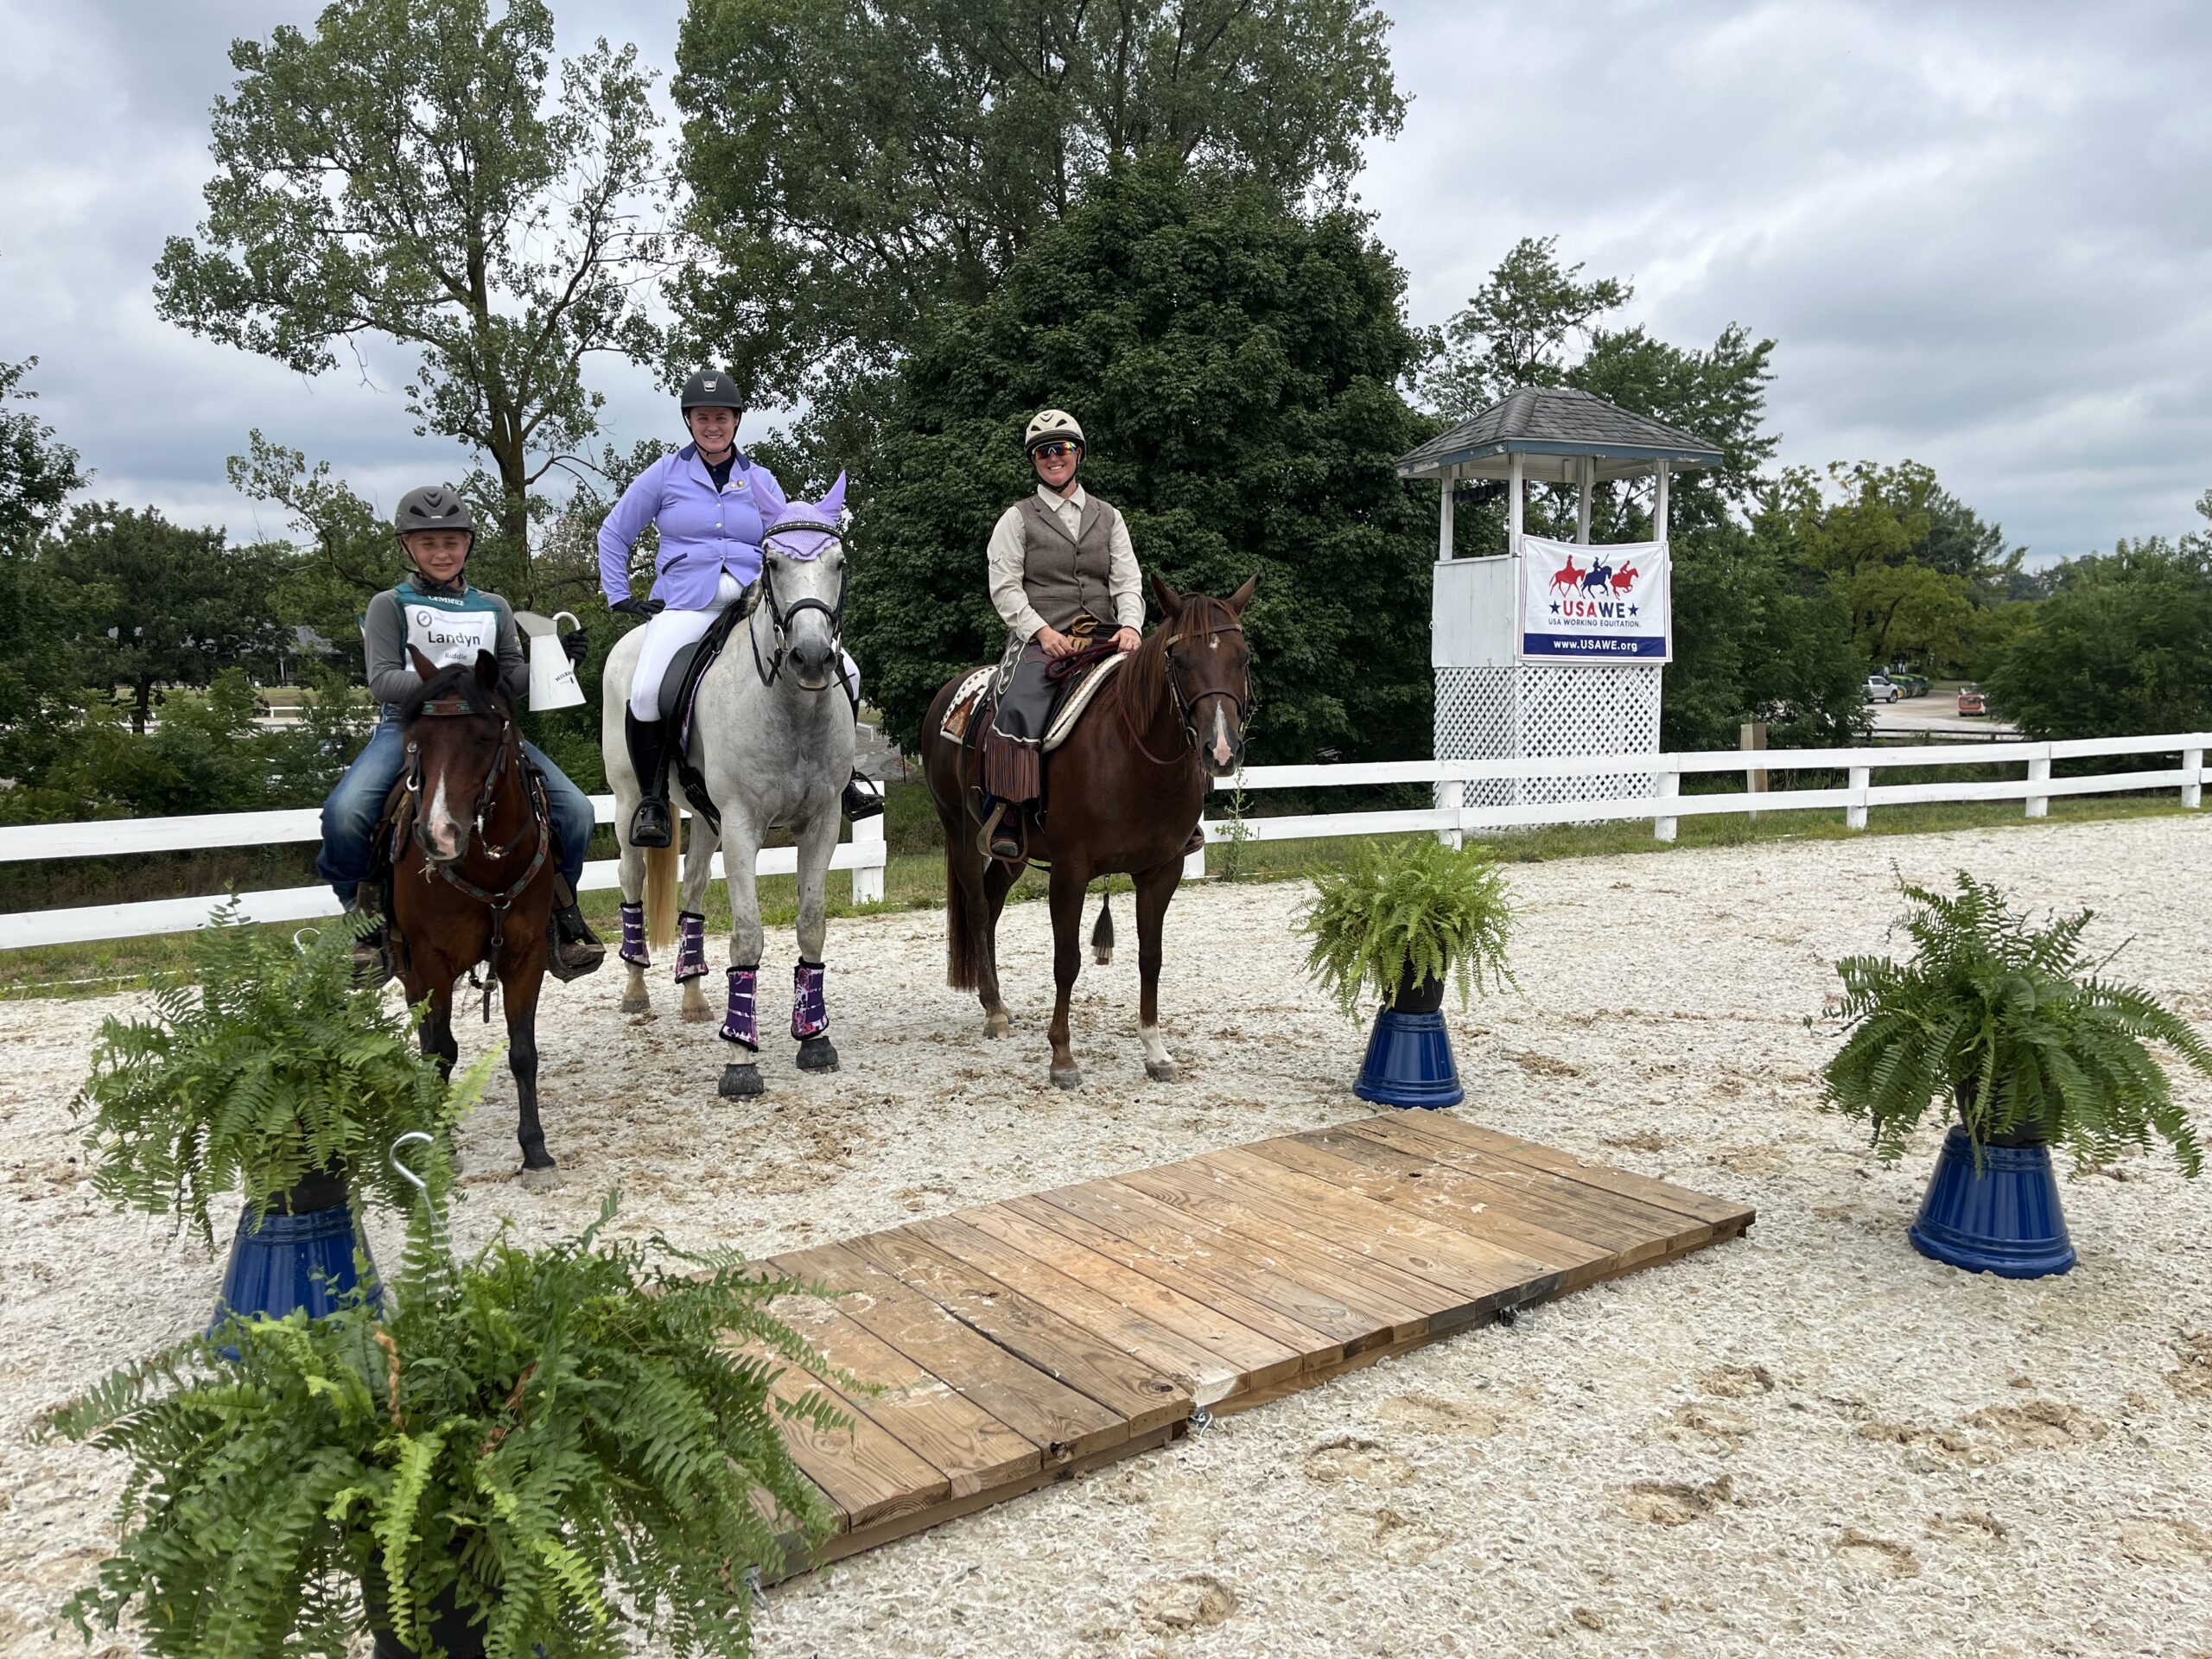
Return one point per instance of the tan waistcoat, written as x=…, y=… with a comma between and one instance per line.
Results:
x=1067, y=579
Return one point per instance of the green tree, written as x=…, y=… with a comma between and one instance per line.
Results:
x=2122, y=647
x=856, y=170
x=1234, y=366
x=407, y=171
x=1514, y=331
x=152, y=604
x=40, y=687
x=37, y=470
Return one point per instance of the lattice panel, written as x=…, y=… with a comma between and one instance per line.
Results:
x=1533, y=709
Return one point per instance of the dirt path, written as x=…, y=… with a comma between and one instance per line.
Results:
x=1810, y=1441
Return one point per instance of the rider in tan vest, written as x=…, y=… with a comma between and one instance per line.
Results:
x=1065, y=576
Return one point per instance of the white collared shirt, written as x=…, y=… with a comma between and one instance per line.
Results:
x=1124, y=582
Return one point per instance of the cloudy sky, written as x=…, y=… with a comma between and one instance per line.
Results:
x=1981, y=233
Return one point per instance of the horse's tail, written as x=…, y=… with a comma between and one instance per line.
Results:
x=660, y=896
x=1101, y=937
x=965, y=913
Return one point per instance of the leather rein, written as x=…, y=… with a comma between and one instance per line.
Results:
x=500, y=902
x=779, y=618
x=1187, y=708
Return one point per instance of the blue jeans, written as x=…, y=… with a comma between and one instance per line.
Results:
x=349, y=817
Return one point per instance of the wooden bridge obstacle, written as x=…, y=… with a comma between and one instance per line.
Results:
x=1017, y=1344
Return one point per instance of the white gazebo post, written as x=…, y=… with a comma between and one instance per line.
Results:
x=1493, y=701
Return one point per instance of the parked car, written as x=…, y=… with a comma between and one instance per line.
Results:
x=1909, y=685
x=1970, y=702
x=1881, y=688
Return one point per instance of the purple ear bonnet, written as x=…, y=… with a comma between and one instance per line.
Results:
x=805, y=530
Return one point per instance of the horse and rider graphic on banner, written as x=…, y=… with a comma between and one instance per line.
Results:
x=1585, y=603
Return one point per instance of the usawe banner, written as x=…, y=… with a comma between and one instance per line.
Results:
x=1595, y=604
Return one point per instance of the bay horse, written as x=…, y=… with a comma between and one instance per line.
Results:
x=771, y=734
x=473, y=881
x=1126, y=789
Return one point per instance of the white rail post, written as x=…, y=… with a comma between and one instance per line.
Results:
x=2039, y=772
x=1854, y=816
x=1444, y=522
x=867, y=878
x=2192, y=792
x=1670, y=785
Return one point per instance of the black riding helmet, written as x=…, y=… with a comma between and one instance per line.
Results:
x=711, y=388
x=434, y=506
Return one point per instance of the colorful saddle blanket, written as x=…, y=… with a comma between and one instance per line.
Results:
x=969, y=715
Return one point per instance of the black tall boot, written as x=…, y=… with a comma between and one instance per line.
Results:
x=650, y=825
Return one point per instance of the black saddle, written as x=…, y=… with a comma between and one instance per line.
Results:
x=679, y=691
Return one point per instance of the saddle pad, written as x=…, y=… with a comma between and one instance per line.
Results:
x=962, y=709
x=1078, y=698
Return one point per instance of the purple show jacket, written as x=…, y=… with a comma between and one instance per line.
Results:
x=704, y=532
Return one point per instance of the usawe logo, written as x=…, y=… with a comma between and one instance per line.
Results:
x=1581, y=602
x=451, y=636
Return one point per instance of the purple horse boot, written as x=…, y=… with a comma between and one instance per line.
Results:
x=690, y=946
x=810, y=1017
x=741, y=1025
x=633, y=937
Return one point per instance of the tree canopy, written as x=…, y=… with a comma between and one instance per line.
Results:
x=37, y=470
x=1234, y=366
x=408, y=171
x=855, y=170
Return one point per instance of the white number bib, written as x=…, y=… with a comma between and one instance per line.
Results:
x=447, y=637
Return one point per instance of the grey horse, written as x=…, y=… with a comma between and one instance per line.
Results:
x=771, y=735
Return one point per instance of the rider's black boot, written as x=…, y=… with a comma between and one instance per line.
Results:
x=572, y=948
x=651, y=824
x=862, y=798
x=373, y=964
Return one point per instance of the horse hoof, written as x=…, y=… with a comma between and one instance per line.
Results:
x=1160, y=1070
x=816, y=1054
x=997, y=1025
x=638, y=1004
x=742, y=1082
x=538, y=1180
x=695, y=1013
x=1072, y=1077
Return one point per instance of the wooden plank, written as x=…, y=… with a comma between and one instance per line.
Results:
x=1432, y=1192
x=1627, y=1225
x=1139, y=1392
x=1663, y=1195
x=1260, y=1357
x=1203, y=1374
x=1221, y=1289
x=1531, y=1197
x=1063, y=1424
x=971, y=1448
x=1354, y=1316
x=1423, y=1246
x=1447, y=1298
x=867, y=1471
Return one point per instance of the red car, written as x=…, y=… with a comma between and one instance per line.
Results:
x=1970, y=702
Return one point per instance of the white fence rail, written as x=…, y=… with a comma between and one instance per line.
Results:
x=865, y=855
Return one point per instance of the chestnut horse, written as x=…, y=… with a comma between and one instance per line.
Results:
x=1124, y=791
x=473, y=881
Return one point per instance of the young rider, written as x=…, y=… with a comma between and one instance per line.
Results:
x=1064, y=575
x=434, y=610
x=712, y=504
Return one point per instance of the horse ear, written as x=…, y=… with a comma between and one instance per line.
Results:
x=487, y=670
x=424, y=668
x=833, y=504
x=1170, y=602
x=1237, y=601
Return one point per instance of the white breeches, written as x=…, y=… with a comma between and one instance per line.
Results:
x=669, y=631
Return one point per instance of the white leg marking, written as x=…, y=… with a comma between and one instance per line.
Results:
x=1157, y=1060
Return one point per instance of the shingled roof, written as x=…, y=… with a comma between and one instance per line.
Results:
x=1552, y=428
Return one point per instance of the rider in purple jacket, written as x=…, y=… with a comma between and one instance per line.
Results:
x=712, y=504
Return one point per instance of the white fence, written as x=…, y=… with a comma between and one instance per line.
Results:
x=1668, y=805
x=865, y=855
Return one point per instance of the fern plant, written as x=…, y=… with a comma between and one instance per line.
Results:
x=1414, y=910
x=568, y=1449
x=273, y=1067
x=2013, y=1027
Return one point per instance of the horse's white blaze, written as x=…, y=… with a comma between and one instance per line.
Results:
x=1155, y=1051
x=1222, y=751
x=445, y=834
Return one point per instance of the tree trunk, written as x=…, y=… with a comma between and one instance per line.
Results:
x=141, y=706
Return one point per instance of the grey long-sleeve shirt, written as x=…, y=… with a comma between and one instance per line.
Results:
x=444, y=627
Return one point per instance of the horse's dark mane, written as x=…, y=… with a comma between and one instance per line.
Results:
x=455, y=679
x=1202, y=614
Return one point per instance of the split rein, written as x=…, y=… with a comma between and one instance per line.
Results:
x=1186, y=710
x=498, y=903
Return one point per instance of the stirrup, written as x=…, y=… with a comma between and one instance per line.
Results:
x=862, y=798
x=652, y=824
x=987, y=838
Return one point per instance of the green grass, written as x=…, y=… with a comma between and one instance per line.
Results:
x=914, y=879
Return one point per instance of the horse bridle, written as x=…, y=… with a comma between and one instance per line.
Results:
x=499, y=902
x=779, y=619
x=1187, y=708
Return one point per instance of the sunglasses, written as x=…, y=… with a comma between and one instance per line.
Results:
x=1054, y=451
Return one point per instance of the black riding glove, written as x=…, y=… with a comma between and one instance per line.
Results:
x=577, y=643
x=641, y=607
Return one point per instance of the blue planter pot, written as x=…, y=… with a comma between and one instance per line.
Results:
x=2004, y=1217
x=1409, y=1052
x=304, y=1258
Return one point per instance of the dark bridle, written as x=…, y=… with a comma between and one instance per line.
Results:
x=1219, y=620
x=780, y=617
